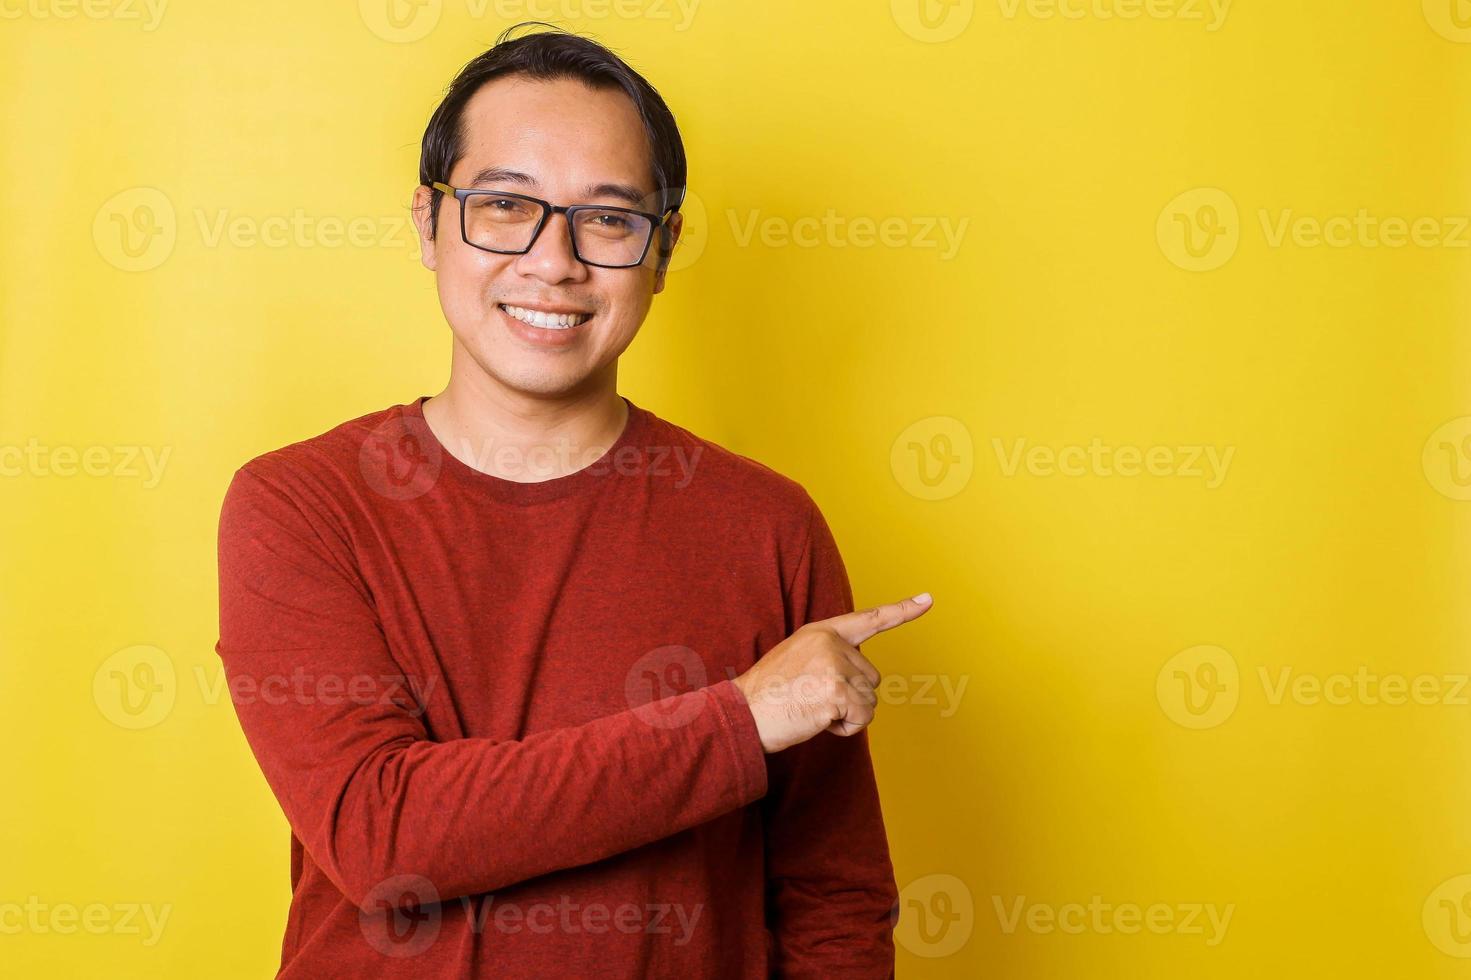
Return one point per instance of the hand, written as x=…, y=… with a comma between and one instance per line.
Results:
x=816, y=680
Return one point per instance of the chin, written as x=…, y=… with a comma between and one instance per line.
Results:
x=539, y=383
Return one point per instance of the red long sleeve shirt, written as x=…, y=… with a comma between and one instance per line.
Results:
x=500, y=721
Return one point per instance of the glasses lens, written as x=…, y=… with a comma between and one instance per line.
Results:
x=611, y=237
x=505, y=224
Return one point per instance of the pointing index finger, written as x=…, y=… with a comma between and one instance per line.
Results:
x=857, y=626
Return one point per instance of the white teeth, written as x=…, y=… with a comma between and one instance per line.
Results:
x=547, y=321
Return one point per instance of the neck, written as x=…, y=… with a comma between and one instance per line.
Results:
x=525, y=437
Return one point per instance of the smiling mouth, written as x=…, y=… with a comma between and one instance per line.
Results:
x=546, y=321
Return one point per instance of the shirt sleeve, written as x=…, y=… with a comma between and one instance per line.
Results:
x=830, y=885
x=367, y=792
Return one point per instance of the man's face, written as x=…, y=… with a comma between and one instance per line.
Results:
x=567, y=139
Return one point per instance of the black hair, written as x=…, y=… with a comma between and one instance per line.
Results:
x=548, y=55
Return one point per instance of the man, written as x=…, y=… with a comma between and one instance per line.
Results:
x=546, y=685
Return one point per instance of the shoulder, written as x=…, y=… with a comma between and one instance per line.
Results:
x=316, y=474
x=734, y=480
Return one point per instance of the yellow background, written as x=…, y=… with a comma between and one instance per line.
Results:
x=1067, y=769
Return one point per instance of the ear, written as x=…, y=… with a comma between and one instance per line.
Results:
x=424, y=224
x=672, y=228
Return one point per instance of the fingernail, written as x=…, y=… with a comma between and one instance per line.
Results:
x=924, y=599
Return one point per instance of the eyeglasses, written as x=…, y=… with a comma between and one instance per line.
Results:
x=509, y=224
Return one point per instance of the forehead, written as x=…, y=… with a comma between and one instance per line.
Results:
x=560, y=132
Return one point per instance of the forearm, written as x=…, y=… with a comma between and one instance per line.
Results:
x=474, y=815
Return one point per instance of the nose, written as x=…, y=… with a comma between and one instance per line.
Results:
x=551, y=258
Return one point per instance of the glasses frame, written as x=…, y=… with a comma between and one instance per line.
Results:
x=656, y=221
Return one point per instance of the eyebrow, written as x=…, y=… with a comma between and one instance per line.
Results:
x=498, y=175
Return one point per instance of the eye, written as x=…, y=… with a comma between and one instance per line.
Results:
x=502, y=205
x=609, y=220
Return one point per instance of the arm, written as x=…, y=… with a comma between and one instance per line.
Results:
x=830, y=885
x=366, y=791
